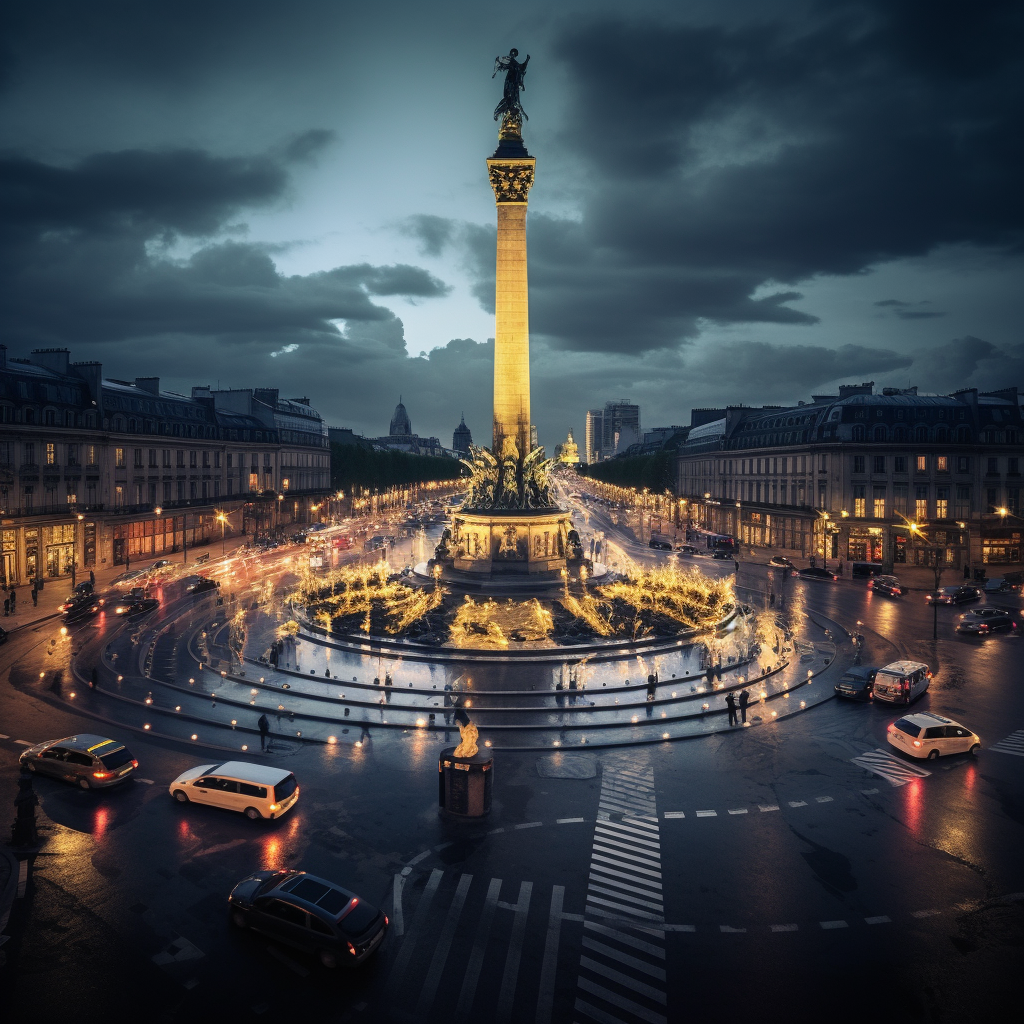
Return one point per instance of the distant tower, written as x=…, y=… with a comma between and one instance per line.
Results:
x=462, y=438
x=400, y=425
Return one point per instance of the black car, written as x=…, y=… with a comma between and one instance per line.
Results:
x=722, y=553
x=661, y=545
x=888, y=585
x=815, y=573
x=200, y=585
x=953, y=595
x=986, y=620
x=136, y=606
x=865, y=569
x=857, y=683
x=80, y=606
x=309, y=913
x=781, y=561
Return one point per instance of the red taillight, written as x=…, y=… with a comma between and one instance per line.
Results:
x=351, y=948
x=102, y=775
x=135, y=764
x=386, y=921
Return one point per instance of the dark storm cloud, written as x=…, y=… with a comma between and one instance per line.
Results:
x=721, y=160
x=905, y=310
x=97, y=235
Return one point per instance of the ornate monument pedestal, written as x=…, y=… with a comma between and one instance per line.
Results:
x=510, y=543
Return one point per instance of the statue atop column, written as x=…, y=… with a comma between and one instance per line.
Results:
x=510, y=109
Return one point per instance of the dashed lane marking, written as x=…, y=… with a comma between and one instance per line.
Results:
x=145, y=782
x=823, y=799
x=892, y=769
x=737, y=810
x=529, y=824
x=797, y=803
x=1013, y=744
x=765, y=808
x=4, y=736
x=729, y=930
x=569, y=821
x=23, y=743
x=674, y=814
x=707, y=814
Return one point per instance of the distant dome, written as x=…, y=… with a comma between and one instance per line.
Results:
x=400, y=424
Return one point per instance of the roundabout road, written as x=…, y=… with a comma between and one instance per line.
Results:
x=790, y=870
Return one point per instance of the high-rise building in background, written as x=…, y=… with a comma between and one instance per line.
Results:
x=593, y=442
x=621, y=426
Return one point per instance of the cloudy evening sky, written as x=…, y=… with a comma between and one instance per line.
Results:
x=735, y=201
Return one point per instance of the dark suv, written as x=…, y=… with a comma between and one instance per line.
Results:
x=309, y=913
x=888, y=585
x=857, y=683
x=93, y=762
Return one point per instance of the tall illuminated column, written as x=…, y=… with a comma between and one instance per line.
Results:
x=511, y=173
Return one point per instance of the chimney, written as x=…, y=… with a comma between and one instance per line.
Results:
x=150, y=384
x=92, y=374
x=56, y=359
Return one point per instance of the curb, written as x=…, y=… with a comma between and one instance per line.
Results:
x=34, y=622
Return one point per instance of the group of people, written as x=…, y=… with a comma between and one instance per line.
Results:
x=731, y=703
x=10, y=603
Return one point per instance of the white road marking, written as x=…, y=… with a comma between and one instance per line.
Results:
x=419, y=857
x=24, y=743
x=823, y=799
x=549, y=962
x=398, y=968
x=476, y=957
x=764, y=808
x=396, y=902
x=4, y=736
x=729, y=930
x=869, y=792
x=624, y=958
x=1013, y=744
x=877, y=920
x=569, y=821
x=675, y=814
x=738, y=810
x=510, y=977
x=797, y=803
x=707, y=814
x=530, y=824
x=443, y=945
x=145, y=782
x=892, y=769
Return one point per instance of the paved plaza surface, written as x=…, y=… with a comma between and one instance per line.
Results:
x=746, y=872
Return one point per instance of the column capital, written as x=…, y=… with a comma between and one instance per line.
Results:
x=511, y=179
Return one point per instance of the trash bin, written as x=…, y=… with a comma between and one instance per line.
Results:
x=464, y=784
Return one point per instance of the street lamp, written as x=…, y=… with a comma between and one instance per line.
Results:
x=937, y=568
x=223, y=520
x=74, y=551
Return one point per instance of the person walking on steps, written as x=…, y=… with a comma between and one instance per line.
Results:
x=730, y=703
x=744, y=701
x=264, y=724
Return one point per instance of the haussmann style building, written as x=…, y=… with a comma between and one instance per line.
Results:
x=96, y=471
x=891, y=478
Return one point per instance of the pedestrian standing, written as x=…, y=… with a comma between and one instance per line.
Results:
x=92, y=578
x=14, y=600
x=264, y=724
x=7, y=607
x=736, y=565
x=744, y=701
x=840, y=567
x=127, y=563
x=35, y=594
x=730, y=703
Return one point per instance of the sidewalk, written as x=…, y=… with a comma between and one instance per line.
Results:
x=55, y=592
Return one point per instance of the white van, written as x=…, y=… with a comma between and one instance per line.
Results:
x=901, y=682
x=255, y=790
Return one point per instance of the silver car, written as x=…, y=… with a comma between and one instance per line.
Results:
x=90, y=761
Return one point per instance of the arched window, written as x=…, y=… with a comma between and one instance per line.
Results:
x=880, y=432
x=942, y=435
x=899, y=434
x=921, y=433
x=858, y=433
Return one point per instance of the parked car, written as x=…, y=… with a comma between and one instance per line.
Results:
x=255, y=790
x=309, y=913
x=659, y=542
x=127, y=577
x=995, y=585
x=816, y=573
x=930, y=736
x=857, y=683
x=888, y=585
x=93, y=762
x=986, y=620
x=687, y=551
x=781, y=561
x=953, y=595
x=901, y=682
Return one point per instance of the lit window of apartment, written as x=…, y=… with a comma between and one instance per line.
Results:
x=920, y=504
x=859, y=501
x=118, y=494
x=254, y=481
x=51, y=454
x=285, y=483
x=942, y=464
x=878, y=503
x=119, y=459
x=922, y=463
x=942, y=503
x=90, y=454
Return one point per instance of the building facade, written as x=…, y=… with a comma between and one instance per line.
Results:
x=593, y=441
x=891, y=478
x=461, y=438
x=621, y=423
x=97, y=471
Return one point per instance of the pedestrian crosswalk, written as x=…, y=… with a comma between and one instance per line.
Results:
x=892, y=769
x=1013, y=744
x=622, y=963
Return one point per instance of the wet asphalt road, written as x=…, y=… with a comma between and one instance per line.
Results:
x=816, y=889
